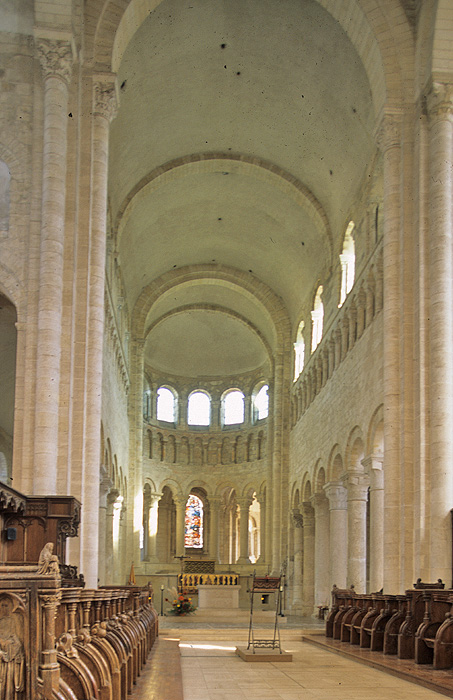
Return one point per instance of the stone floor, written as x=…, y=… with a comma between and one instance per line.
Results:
x=212, y=671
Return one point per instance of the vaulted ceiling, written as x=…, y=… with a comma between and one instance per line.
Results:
x=244, y=131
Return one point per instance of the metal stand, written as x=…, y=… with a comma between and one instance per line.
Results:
x=266, y=585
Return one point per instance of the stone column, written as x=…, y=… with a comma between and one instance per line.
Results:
x=440, y=113
x=111, y=498
x=389, y=139
x=233, y=542
x=105, y=486
x=214, y=529
x=308, y=581
x=163, y=532
x=297, y=521
x=261, y=498
x=223, y=534
x=357, y=484
x=153, y=526
x=373, y=466
x=180, y=503
x=146, y=508
x=56, y=61
x=244, y=504
x=104, y=110
x=322, y=558
x=338, y=528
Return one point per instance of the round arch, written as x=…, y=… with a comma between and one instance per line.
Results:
x=335, y=464
x=366, y=23
x=355, y=450
x=254, y=167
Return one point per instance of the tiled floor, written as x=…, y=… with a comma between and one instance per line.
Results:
x=212, y=671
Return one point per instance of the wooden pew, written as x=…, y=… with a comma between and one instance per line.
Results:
x=415, y=613
x=374, y=622
x=342, y=600
x=437, y=611
x=392, y=627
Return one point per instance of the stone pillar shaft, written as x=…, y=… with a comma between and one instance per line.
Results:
x=56, y=61
x=308, y=581
x=357, y=505
x=338, y=528
x=321, y=585
x=214, y=529
x=376, y=524
x=298, y=553
x=440, y=110
x=244, y=504
x=104, y=100
x=390, y=143
x=180, y=525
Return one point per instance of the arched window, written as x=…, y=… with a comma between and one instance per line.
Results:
x=347, y=261
x=261, y=403
x=233, y=407
x=199, y=409
x=193, y=532
x=317, y=316
x=166, y=405
x=299, y=351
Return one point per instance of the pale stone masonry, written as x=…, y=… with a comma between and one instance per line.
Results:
x=177, y=184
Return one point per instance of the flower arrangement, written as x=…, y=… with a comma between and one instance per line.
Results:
x=182, y=605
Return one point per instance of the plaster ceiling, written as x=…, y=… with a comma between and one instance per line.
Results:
x=276, y=83
x=185, y=341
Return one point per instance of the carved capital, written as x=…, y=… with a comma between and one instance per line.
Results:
x=337, y=495
x=56, y=58
x=388, y=134
x=439, y=101
x=105, y=103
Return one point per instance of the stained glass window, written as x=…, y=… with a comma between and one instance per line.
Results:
x=194, y=522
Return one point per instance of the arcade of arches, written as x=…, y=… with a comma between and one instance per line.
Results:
x=226, y=309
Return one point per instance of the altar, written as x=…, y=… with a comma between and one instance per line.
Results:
x=219, y=597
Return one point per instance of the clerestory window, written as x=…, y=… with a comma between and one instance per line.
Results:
x=166, y=405
x=199, y=408
x=299, y=351
x=233, y=407
x=317, y=317
x=261, y=403
x=347, y=262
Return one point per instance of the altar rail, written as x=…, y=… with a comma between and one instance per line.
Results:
x=416, y=625
x=71, y=643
